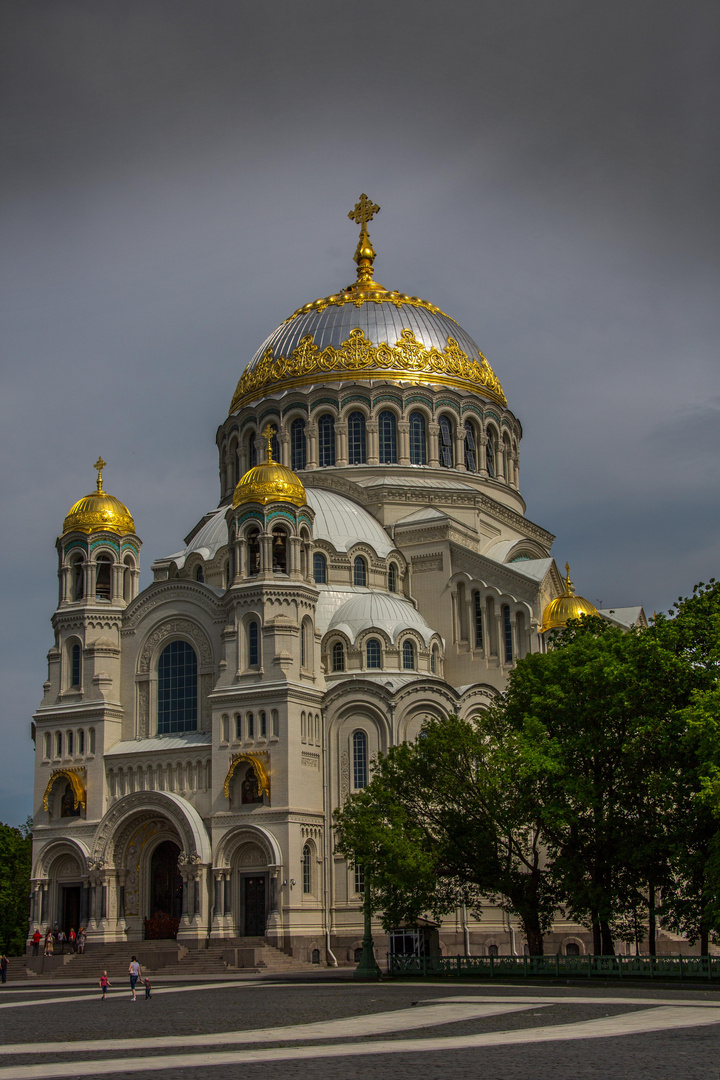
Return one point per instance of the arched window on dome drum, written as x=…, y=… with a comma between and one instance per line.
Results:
x=434, y=660
x=338, y=656
x=387, y=434
x=359, y=571
x=253, y=641
x=445, y=442
x=507, y=634
x=477, y=611
x=103, y=588
x=470, y=448
x=326, y=440
x=373, y=653
x=297, y=444
x=129, y=566
x=408, y=654
x=177, y=689
x=392, y=577
x=253, y=552
x=319, y=568
x=418, y=446
x=76, y=672
x=360, y=760
x=275, y=444
x=251, y=450
x=199, y=574
x=490, y=454
x=279, y=550
x=357, y=449
x=307, y=870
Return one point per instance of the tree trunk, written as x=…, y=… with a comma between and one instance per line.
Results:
x=608, y=949
x=597, y=937
x=704, y=939
x=533, y=933
x=652, y=922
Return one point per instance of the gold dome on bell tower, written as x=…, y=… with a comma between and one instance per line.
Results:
x=269, y=482
x=565, y=607
x=98, y=511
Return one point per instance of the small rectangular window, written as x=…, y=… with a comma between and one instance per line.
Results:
x=250, y=726
x=359, y=878
x=263, y=725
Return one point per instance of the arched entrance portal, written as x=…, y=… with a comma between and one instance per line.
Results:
x=166, y=892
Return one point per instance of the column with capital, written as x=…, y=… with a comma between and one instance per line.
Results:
x=284, y=444
x=460, y=448
x=433, y=432
x=311, y=434
x=404, y=437
x=341, y=433
x=373, y=450
x=482, y=456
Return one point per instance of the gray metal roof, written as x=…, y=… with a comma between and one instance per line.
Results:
x=370, y=609
x=344, y=523
x=382, y=323
x=190, y=740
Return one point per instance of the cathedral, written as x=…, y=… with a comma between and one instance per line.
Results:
x=368, y=565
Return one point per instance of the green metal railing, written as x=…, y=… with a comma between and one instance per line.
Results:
x=562, y=967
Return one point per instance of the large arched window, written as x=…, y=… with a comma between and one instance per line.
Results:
x=359, y=571
x=76, y=666
x=279, y=551
x=507, y=634
x=357, y=447
x=251, y=449
x=253, y=642
x=445, y=445
x=373, y=653
x=338, y=656
x=307, y=869
x=392, y=577
x=470, y=448
x=319, y=568
x=326, y=440
x=478, y=617
x=418, y=446
x=297, y=444
x=306, y=642
x=490, y=453
x=253, y=552
x=408, y=655
x=360, y=759
x=78, y=579
x=387, y=435
x=177, y=688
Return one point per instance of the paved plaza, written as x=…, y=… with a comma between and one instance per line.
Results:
x=335, y=1029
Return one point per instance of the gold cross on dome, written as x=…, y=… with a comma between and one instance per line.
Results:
x=99, y=465
x=364, y=211
x=268, y=434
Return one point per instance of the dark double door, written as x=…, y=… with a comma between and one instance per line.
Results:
x=70, y=908
x=254, y=905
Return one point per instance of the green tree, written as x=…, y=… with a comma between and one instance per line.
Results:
x=15, y=852
x=594, y=730
x=449, y=820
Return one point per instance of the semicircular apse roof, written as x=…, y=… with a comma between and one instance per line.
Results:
x=372, y=610
x=343, y=523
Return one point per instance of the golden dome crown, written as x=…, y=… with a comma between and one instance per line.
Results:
x=366, y=331
x=565, y=607
x=99, y=512
x=269, y=482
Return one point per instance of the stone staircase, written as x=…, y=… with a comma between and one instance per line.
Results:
x=163, y=958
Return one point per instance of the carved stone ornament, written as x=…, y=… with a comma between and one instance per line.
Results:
x=344, y=775
x=173, y=628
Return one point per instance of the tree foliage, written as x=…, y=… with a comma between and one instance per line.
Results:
x=15, y=852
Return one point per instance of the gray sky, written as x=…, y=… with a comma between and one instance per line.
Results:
x=177, y=177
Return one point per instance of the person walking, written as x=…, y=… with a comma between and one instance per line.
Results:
x=81, y=935
x=49, y=943
x=104, y=983
x=3, y=967
x=72, y=939
x=147, y=988
x=61, y=941
x=36, y=939
x=134, y=972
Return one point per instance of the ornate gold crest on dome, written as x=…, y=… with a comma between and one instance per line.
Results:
x=98, y=511
x=565, y=607
x=269, y=482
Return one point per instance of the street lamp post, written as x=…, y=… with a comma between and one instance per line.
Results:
x=368, y=968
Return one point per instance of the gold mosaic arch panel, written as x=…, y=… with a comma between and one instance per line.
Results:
x=77, y=783
x=261, y=771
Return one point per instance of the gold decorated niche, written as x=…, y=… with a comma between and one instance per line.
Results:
x=261, y=766
x=76, y=778
x=408, y=360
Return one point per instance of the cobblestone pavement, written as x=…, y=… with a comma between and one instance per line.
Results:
x=334, y=1030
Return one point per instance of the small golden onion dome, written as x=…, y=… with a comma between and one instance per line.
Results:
x=99, y=512
x=269, y=482
x=568, y=606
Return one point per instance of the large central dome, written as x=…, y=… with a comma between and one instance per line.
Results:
x=367, y=332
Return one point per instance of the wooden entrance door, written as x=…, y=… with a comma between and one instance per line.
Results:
x=255, y=912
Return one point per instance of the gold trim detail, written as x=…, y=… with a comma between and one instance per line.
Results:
x=98, y=511
x=357, y=358
x=261, y=772
x=269, y=482
x=352, y=295
x=76, y=778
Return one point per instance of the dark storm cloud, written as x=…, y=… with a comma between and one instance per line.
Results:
x=176, y=181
